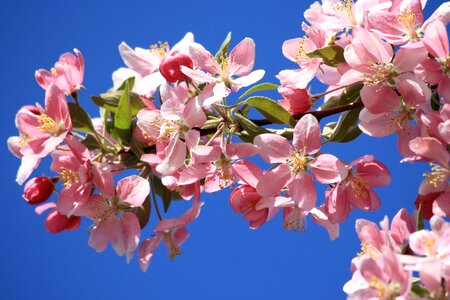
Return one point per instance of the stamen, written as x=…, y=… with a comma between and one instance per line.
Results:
x=47, y=123
x=67, y=176
x=298, y=162
x=295, y=220
x=437, y=175
x=161, y=48
x=174, y=249
x=378, y=73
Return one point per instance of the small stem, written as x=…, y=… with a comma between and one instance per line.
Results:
x=152, y=190
x=219, y=130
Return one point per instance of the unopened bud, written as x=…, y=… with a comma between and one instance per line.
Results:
x=37, y=190
x=57, y=222
x=170, y=67
x=295, y=100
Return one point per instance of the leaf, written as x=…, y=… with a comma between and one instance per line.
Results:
x=110, y=101
x=271, y=110
x=80, y=119
x=143, y=212
x=164, y=193
x=349, y=94
x=331, y=55
x=257, y=88
x=419, y=290
x=223, y=50
x=344, y=130
x=123, y=118
x=251, y=128
x=91, y=143
x=130, y=82
x=419, y=221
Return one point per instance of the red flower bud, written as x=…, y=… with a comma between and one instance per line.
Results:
x=295, y=100
x=170, y=67
x=37, y=190
x=57, y=222
x=427, y=204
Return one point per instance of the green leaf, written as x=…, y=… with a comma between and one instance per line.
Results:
x=331, y=55
x=251, y=128
x=91, y=143
x=164, y=193
x=419, y=222
x=130, y=82
x=271, y=110
x=419, y=290
x=257, y=88
x=223, y=50
x=143, y=212
x=110, y=101
x=81, y=121
x=349, y=94
x=123, y=117
x=345, y=129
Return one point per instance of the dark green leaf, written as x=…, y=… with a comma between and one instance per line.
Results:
x=419, y=222
x=110, y=101
x=80, y=119
x=164, y=193
x=349, y=94
x=331, y=55
x=257, y=88
x=271, y=110
x=91, y=143
x=223, y=50
x=251, y=128
x=419, y=290
x=143, y=212
x=344, y=130
x=435, y=102
x=123, y=117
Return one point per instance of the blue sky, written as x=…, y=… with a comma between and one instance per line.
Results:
x=222, y=259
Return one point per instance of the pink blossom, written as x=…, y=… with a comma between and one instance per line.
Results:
x=172, y=232
x=67, y=74
x=355, y=190
x=110, y=211
x=221, y=73
x=42, y=132
x=143, y=65
x=295, y=100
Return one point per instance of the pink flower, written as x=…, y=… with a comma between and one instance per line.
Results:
x=67, y=74
x=73, y=164
x=221, y=74
x=113, y=220
x=42, y=132
x=143, y=65
x=381, y=278
x=294, y=161
x=55, y=222
x=38, y=190
x=434, y=249
x=295, y=100
x=172, y=232
x=356, y=189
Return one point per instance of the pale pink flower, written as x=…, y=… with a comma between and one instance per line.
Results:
x=406, y=23
x=42, y=132
x=143, y=65
x=67, y=74
x=27, y=165
x=294, y=161
x=433, y=247
x=172, y=232
x=221, y=75
x=380, y=278
x=110, y=211
x=295, y=100
x=355, y=190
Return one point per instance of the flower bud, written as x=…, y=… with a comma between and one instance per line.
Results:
x=37, y=190
x=57, y=222
x=427, y=204
x=295, y=100
x=170, y=67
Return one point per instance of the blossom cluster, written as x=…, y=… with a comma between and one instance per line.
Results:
x=172, y=118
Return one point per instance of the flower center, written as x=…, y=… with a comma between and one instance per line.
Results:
x=47, y=124
x=67, y=176
x=408, y=19
x=301, y=53
x=172, y=246
x=295, y=220
x=360, y=187
x=346, y=6
x=225, y=176
x=23, y=139
x=368, y=249
x=378, y=73
x=298, y=162
x=437, y=175
x=161, y=48
x=385, y=291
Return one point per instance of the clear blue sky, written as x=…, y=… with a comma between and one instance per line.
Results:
x=222, y=259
